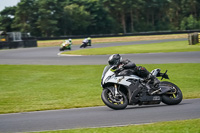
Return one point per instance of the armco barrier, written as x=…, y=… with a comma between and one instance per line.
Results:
x=118, y=35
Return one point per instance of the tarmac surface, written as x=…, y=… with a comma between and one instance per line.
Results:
x=97, y=117
x=49, y=56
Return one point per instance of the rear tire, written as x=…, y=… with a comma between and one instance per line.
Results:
x=120, y=103
x=172, y=99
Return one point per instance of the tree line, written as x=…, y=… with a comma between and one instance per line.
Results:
x=45, y=18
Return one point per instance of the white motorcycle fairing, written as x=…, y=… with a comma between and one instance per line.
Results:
x=122, y=80
x=110, y=77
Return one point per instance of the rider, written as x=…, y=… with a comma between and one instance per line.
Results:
x=89, y=41
x=85, y=41
x=70, y=41
x=126, y=67
x=67, y=43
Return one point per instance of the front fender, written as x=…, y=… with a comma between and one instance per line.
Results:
x=111, y=89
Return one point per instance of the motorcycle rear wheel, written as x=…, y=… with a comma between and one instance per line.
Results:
x=114, y=103
x=172, y=98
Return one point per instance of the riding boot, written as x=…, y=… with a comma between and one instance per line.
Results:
x=154, y=81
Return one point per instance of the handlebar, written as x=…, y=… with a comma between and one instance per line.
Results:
x=165, y=75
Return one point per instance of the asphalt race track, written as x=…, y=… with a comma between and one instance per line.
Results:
x=98, y=117
x=95, y=116
x=49, y=56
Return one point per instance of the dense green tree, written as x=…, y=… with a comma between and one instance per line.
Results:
x=135, y=10
x=189, y=23
x=119, y=8
x=6, y=18
x=47, y=17
x=86, y=17
x=100, y=19
x=77, y=19
x=24, y=15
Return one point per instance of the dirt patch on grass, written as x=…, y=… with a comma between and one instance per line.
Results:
x=113, y=39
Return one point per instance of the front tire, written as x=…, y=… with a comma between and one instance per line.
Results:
x=61, y=49
x=172, y=97
x=114, y=103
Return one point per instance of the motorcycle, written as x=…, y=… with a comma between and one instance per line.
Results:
x=84, y=44
x=65, y=46
x=122, y=90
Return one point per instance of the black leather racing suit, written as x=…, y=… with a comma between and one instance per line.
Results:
x=126, y=67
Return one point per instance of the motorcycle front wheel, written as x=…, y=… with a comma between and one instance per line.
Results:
x=61, y=49
x=172, y=97
x=114, y=102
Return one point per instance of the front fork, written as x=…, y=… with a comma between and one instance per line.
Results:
x=116, y=91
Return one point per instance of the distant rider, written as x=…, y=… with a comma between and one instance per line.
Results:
x=70, y=41
x=66, y=44
x=84, y=43
x=126, y=67
x=89, y=41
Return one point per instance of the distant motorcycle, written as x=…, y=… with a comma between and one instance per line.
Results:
x=65, y=46
x=120, y=91
x=84, y=45
x=86, y=42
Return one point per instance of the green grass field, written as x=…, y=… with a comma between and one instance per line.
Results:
x=184, y=126
x=177, y=46
x=46, y=87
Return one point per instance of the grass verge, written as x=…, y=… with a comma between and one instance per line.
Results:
x=48, y=43
x=46, y=87
x=177, y=46
x=181, y=126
